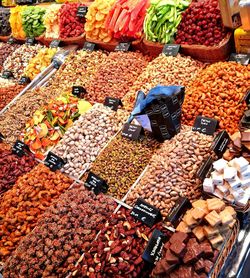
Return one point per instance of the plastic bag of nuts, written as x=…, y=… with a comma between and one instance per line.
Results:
x=171, y=172
x=67, y=228
x=122, y=162
x=115, y=75
x=13, y=166
x=24, y=204
x=84, y=140
x=118, y=248
x=163, y=70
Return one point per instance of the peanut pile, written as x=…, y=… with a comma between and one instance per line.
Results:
x=171, y=171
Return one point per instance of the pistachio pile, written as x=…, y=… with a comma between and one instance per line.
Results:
x=122, y=161
x=83, y=141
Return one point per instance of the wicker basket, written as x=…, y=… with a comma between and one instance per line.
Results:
x=4, y=38
x=209, y=54
x=226, y=250
x=74, y=40
x=151, y=48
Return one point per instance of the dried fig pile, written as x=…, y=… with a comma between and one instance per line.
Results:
x=67, y=228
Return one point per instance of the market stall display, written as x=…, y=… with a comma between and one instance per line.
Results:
x=163, y=70
x=218, y=92
x=25, y=203
x=49, y=123
x=90, y=134
x=63, y=233
x=13, y=166
x=86, y=190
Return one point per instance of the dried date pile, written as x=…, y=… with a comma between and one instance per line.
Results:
x=24, y=204
x=67, y=228
x=118, y=249
x=12, y=167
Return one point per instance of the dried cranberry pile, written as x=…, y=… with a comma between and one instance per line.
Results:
x=201, y=24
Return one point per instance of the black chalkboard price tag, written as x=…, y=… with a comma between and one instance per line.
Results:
x=82, y=11
x=205, y=125
x=96, y=184
x=181, y=206
x=78, y=91
x=153, y=252
x=243, y=59
x=220, y=143
x=131, y=131
x=11, y=40
x=7, y=74
x=88, y=46
x=24, y=80
x=171, y=49
x=30, y=41
x=145, y=212
x=123, y=46
x=205, y=168
x=113, y=103
x=1, y=137
x=54, y=162
x=55, y=44
x=20, y=148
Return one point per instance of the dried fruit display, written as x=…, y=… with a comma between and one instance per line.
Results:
x=70, y=25
x=201, y=24
x=171, y=171
x=13, y=120
x=67, y=228
x=39, y=62
x=51, y=21
x=49, y=123
x=12, y=167
x=6, y=82
x=19, y=59
x=5, y=29
x=83, y=141
x=162, y=19
x=116, y=75
x=32, y=20
x=95, y=20
x=125, y=19
x=218, y=92
x=5, y=50
x=122, y=162
x=163, y=70
x=118, y=249
x=24, y=204
x=16, y=22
